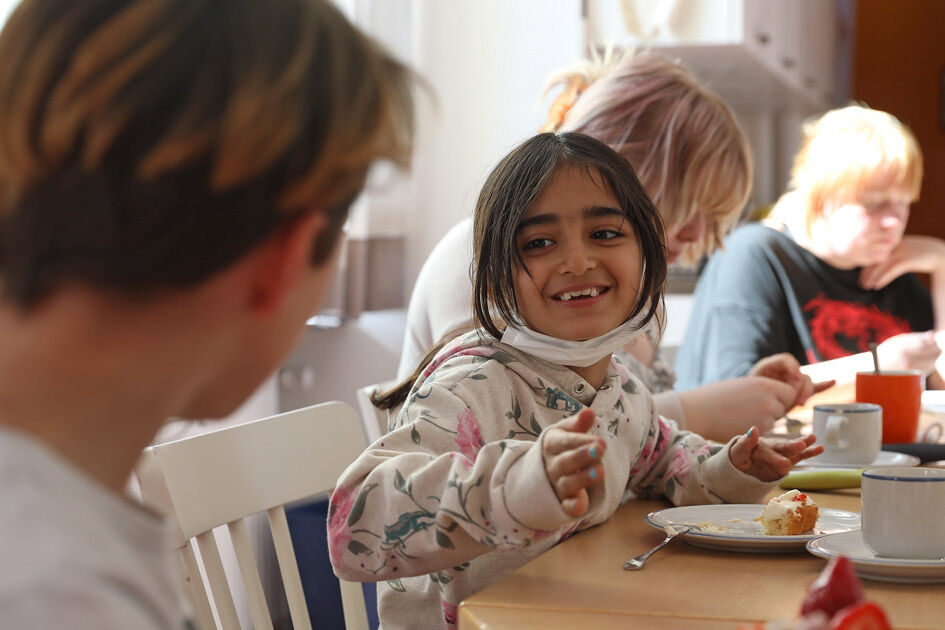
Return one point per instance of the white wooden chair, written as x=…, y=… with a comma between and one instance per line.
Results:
x=374, y=419
x=221, y=477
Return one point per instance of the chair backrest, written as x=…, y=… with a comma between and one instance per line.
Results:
x=374, y=419
x=221, y=477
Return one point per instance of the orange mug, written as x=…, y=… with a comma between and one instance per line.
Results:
x=900, y=396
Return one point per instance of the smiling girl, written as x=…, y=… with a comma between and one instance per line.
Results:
x=525, y=430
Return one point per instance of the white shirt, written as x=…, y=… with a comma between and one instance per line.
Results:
x=75, y=555
x=441, y=298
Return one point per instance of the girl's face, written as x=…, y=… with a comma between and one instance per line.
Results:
x=865, y=231
x=582, y=256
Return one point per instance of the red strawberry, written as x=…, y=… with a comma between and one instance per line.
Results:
x=862, y=616
x=834, y=589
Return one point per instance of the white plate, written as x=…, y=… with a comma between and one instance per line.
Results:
x=885, y=458
x=742, y=532
x=871, y=566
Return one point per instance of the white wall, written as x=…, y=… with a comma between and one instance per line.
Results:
x=487, y=62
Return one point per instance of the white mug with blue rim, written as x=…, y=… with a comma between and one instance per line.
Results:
x=851, y=433
x=903, y=513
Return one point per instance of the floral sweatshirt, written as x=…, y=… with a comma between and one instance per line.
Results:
x=456, y=496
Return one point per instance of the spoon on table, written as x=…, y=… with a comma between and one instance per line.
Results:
x=636, y=563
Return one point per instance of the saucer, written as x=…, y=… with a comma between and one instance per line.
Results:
x=885, y=458
x=869, y=565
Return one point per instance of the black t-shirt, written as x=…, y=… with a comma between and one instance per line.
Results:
x=764, y=294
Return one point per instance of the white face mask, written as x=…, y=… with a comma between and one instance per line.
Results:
x=573, y=353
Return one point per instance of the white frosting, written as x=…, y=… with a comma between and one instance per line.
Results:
x=781, y=505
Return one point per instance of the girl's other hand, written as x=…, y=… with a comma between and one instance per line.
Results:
x=572, y=461
x=785, y=368
x=770, y=459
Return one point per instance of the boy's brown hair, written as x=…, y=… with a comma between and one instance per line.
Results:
x=149, y=144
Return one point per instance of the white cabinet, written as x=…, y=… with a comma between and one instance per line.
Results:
x=753, y=52
x=819, y=50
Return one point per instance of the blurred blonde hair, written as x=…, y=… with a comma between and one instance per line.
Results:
x=151, y=143
x=842, y=153
x=682, y=140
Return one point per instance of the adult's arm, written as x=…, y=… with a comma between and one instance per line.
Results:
x=917, y=254
x=721, y=410
x=740, y=313
x=907, y=351
x=914, y=254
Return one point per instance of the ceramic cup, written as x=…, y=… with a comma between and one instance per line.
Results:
x=850, y=433
x=900, y=396
x=903, y=513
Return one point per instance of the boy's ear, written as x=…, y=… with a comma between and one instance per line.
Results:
x=283, y=259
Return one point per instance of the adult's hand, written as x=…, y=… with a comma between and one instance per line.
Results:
x=572, y=461
x=770, y=459
x=722, y=409
x=913, y=254
x=785, y=368
x=909, y=351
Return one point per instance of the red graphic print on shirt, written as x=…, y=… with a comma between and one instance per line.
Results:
x=840, y=329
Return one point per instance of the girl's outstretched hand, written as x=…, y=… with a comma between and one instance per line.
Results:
x=572, y=461
x=769, y=459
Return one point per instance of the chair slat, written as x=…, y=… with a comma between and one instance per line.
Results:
x=250, y=572
x=289, y=568
x=216, y=576
x=352, y=601
x=196, y=591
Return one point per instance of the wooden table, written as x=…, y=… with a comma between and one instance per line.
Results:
x=580, y=583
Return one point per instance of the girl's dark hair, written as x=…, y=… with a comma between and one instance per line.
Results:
x=509, y=191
